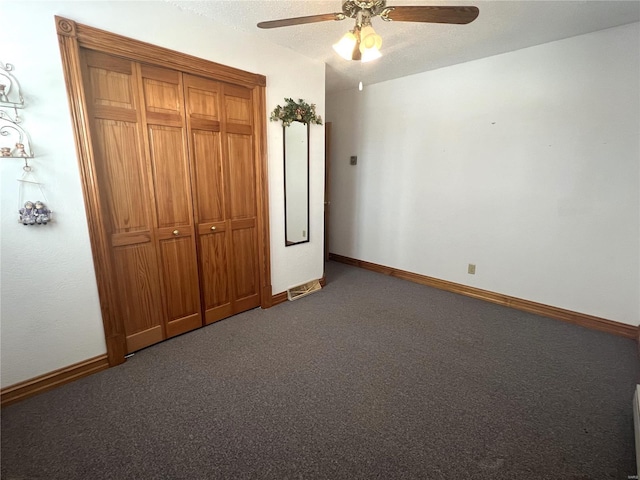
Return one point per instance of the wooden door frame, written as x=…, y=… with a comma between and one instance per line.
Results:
x=71, y=37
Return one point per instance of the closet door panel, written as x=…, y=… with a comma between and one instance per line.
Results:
x=109, y=80
x=209, y=186
x=203, y=121
x=111, y=88
x=121, y=176
x=170, y=176
x=210, y=201
x=180, y=285
x=243, y=222
x=237, y=105
x=245, y=267
x=241, y=176
x=241, y=179
x=203, y=98
x=168, y=155
x=139, y=292
x=215, y=275
x=162, y=90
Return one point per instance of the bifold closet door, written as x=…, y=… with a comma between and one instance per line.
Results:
x=237, y=140
x=219, y=118
x=176, y=177
x=164, y=119
x=143, y=180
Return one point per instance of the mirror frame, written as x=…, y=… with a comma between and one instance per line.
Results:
x=287, y=193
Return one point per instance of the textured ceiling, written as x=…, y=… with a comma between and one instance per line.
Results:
x=409, y=48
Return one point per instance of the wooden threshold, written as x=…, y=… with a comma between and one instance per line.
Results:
x=48, y=381
x=582, y=319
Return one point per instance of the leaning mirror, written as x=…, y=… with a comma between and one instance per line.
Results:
x=296, y=183
x=295, y=118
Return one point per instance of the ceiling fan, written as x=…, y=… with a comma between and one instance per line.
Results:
x=362, y=43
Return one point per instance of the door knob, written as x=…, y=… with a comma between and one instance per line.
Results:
x=176, y=232
x=213, y=228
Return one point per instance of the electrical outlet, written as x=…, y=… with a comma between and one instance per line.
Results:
x=353, y=160
x=471, y=270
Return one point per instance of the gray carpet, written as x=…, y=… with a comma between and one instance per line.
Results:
x=372, y=377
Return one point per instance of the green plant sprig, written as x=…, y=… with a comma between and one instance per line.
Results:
x=295, y=112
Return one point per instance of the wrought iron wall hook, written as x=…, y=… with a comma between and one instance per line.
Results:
x=10, y=93
x=18, y=143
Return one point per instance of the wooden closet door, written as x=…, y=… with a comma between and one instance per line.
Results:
x=164, y=119
x=221, y=132
x=177, y=208
x=112, y=86
x=242, y=211
x=177, y=179
x=202, y=99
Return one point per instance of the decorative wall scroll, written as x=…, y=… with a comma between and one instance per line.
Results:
x=14, y=140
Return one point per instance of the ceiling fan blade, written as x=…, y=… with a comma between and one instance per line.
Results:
x=458, y=15
x=287, y=22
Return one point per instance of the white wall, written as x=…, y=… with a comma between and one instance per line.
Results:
x=50, y=315
x=526, y=164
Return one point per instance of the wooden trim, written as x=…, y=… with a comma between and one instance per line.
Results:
x=262, y=194
x=582, y=319
x=51, y=380
x=103, y=41
x=113, y=326
x=279, y=298
x=145, y=338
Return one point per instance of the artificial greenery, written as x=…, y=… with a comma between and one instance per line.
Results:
x=296, y=112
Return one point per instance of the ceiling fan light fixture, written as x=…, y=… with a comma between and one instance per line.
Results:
x=346, y=45
x=370, y=43
x=362, y=43
x=370, y=54
x=369, y=38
